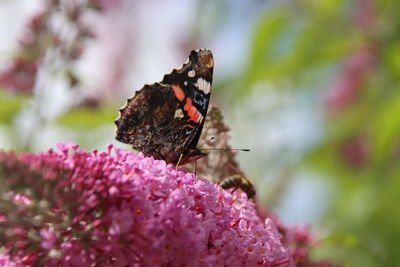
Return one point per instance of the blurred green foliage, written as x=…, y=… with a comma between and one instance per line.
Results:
x=88, y=117
x=9, y=106
x=358, y=42
x=289, y=40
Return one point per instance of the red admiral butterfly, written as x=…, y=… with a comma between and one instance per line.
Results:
x=165, y=119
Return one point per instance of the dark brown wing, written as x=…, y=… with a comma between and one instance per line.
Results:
x=148, y=123
x=164, y=120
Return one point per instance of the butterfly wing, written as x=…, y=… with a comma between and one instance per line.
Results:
x=165, y=120
x=192, y=87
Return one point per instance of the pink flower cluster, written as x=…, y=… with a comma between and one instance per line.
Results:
x=77, y=208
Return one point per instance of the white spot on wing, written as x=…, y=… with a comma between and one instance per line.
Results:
x=185, y=83
x=191, y=73
x=178, y=114
x=203, y=85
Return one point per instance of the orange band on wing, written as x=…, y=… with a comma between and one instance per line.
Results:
x=188, y=104
x=178, y=92
x=192, y=112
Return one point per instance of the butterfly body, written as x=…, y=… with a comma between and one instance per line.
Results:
x=164, y=120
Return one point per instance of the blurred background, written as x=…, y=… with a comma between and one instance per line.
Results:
x=309, y=86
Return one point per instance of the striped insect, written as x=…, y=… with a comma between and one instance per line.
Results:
x=239, y=181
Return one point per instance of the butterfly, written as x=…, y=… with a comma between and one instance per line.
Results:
x=165, y=119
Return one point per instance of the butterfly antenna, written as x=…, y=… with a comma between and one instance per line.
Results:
x=209, y=140
x=227, y=149
x=179, y=161
x=221, y=149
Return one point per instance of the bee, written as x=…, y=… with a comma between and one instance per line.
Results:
x=239, y=181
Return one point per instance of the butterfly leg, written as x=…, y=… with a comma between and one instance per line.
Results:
x=179, y=161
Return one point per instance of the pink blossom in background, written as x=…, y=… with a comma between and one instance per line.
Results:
x=346, y=87
x=43, y=34
x=355, y=151
x=120, y=208
x=364, y=14
x=19, y=75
